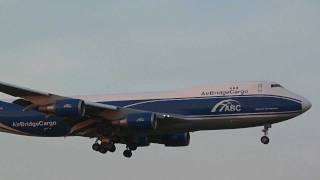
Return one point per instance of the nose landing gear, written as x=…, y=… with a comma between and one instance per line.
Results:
x=265, y=139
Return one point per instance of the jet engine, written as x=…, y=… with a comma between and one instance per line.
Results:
x=65, y=108
x=144, y=120
x=176, y=140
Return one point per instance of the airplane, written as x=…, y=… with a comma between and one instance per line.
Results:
x=139, y=119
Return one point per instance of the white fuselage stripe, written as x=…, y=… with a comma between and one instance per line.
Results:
x=244, y=114
x=209, y=97
x=240, y=116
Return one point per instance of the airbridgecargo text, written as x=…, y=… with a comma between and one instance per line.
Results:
x=224, y=93
x=35, y=124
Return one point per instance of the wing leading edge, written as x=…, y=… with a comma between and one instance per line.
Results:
x=38, y=98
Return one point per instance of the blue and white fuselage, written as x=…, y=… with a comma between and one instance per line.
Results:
x=227, y=106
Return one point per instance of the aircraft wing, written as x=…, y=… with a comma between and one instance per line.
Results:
x=38, y=98
x=98, y=111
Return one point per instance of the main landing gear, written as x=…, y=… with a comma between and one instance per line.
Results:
x=103, y=146
x=128, y=152
x=265, y=139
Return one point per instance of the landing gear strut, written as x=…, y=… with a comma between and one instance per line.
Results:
x=265, y=139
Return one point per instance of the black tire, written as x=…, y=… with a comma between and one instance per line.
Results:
x=103, y=150
x=112, y=148
x=96, y=147
x=265, y=140
x=132, y=147
x=127, y=153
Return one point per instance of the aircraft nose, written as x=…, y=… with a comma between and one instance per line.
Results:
x=306, y=105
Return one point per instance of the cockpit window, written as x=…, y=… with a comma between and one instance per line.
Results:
x=275, y=85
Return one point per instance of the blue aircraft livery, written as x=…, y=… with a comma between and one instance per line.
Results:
x=139, y=119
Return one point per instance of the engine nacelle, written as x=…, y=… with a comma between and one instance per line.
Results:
x=66, y=108
x=142, y=120
x=176, y=140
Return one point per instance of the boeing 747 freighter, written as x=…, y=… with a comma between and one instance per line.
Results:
x=137, y=120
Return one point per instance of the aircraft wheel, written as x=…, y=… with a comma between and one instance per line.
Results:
x=103, y=150
x=96, y=147
x=109, y=147
x=132, y=147
x=265, y=140
x=127, y=153
x=112, y=148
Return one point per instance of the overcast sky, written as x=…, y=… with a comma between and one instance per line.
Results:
x=97, y=47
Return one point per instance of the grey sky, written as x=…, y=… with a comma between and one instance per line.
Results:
x=97, y=47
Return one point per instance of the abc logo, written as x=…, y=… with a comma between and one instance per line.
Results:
x=227, y=106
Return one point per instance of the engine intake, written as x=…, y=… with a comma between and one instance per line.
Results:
x=65, y=108
x=176, y=140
